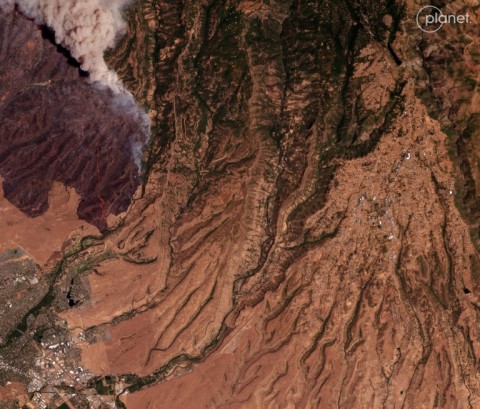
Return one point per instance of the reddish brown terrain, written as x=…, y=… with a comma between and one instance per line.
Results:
x=55, y=127
x=306, y=233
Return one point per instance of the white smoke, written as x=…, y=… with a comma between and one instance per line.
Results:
x=87, y=28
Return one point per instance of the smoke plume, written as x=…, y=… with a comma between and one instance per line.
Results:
x=87, y=28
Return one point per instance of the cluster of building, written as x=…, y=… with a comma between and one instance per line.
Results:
x=59, y=382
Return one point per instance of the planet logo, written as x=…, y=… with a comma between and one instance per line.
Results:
x=430, y=19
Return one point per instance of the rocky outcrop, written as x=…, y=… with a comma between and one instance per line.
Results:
x=297, y=242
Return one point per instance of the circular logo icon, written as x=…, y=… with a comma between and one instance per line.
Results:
x=429, y=19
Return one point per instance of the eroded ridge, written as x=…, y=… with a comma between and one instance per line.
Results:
x=56, y=127
x=297, y=242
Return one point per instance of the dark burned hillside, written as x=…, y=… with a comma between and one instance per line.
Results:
x=55, y=127
x=303, y=235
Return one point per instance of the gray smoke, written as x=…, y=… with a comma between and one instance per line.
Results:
x=87, y=28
